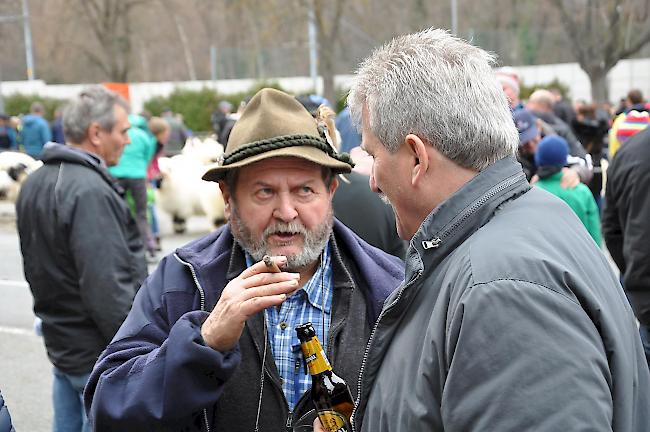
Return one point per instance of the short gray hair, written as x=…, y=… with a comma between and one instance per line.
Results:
x=93, y=105
x=441, y=89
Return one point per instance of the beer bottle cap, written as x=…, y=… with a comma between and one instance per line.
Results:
x=305, y=332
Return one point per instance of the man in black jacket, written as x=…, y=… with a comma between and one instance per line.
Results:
x=625, y=224
x=82, y=253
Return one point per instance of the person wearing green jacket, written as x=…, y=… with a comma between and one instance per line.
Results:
x=550, y=158
x=131, y=173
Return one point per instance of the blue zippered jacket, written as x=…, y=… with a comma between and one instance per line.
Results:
x=158, y=373
x=34, y=134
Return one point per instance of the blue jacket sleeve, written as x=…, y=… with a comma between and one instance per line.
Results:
x=156, y=373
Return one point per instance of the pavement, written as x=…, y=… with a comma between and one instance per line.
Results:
x=25, y=371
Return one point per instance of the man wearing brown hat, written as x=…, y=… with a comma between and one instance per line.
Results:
x=210, y=341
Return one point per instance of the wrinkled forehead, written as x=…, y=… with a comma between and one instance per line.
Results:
x=279, y=169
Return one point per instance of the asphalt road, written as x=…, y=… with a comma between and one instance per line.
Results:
x=25, y=372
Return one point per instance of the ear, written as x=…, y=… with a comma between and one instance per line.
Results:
x=420, y=159
x=334, y=185
x=225, y=193
x=93, y=134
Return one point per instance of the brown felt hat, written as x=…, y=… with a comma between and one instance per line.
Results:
x=275, y=124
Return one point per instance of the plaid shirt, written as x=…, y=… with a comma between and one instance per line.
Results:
x=306, y=305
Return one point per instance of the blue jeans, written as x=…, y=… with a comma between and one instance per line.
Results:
x=645, y=339
x=67, y=395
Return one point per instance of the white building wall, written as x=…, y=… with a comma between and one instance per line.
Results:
x=627, y=74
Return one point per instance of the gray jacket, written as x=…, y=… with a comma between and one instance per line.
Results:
x=510, y=319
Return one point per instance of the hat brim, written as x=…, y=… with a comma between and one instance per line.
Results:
x=216, y=172
x=528, y=135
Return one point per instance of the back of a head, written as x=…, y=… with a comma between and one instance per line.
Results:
x=93, y=104
x=440, y=88
x=552, y=150
x=36, y=108
x=635, y=96
x=157, y=126
x=542, y=99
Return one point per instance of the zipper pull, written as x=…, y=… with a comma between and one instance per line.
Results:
x=431, y=244
x=289, y=422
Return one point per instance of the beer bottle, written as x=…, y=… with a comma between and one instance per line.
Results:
x=330, y=393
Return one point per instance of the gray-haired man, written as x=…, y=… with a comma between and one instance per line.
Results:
x=82, y=252
x=510, y=317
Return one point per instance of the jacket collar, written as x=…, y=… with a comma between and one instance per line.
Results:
x=54, y=152
x=457, y=218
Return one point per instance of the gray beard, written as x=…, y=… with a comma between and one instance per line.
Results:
x=313, y=241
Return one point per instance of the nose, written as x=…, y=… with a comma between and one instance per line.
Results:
x=285, y=210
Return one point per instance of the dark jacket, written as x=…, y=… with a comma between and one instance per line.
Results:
x=82, y=255
x=57, y=130
x=626, y=219
x=578, y=157
x=361, y=210
x=158, y=374
x=5, y=418
x=510, y=319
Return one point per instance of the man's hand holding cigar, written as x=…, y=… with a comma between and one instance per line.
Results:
x=260, y=286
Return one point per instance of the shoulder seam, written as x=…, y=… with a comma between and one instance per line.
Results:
x=528, y=282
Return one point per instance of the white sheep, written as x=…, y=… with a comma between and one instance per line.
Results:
x=14, y=169
x=183, y=194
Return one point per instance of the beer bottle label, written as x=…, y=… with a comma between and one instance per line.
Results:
x=333, y=421
x=315, y=357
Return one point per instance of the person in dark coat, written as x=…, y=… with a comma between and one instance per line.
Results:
x=57, y=127
x=541, y=104
x=210, y=341
x=626, y=224
x=510, y=318
x=361, y=210
x=82, y=253
x=5, y=417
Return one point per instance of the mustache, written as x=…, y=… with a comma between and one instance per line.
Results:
x=285, y=228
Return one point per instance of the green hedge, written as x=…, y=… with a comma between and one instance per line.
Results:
x=525, y=91
x=19, y=103
x=197, y=106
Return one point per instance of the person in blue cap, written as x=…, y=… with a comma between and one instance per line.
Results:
x=550, y=157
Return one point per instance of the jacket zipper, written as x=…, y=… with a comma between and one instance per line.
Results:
x=202, y=294
x=367, y=351
x=427, y=244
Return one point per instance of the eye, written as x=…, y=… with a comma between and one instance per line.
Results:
x=264, y=192
x=305, y=190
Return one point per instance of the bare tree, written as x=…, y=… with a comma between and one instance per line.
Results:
x=109, y=22
x=602, y=32
x=327, y=14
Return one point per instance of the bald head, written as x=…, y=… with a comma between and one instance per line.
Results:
x=541, y=100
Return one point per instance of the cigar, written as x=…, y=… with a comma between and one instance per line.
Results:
x=270, y=265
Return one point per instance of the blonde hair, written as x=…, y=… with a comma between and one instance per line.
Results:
x=157, y=126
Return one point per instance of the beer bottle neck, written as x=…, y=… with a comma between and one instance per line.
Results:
x=315, y=356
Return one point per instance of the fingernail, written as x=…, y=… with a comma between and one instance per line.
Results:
x=293, y=282
x=283, y=296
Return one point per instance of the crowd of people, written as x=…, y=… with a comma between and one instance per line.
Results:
x=449, y=255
